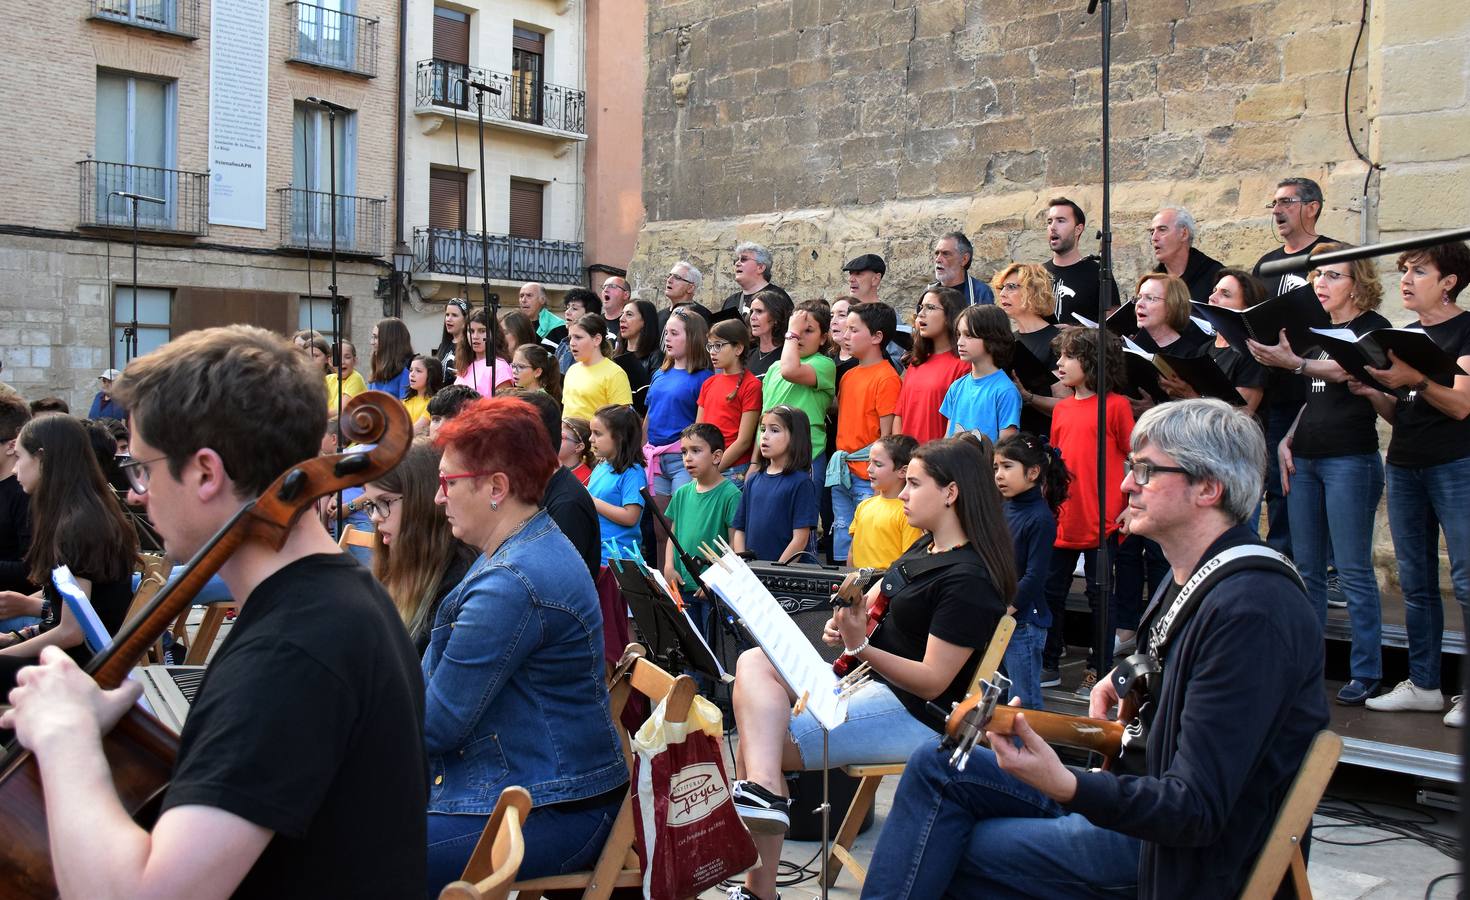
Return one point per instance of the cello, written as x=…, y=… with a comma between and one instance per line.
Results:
x=139, y=749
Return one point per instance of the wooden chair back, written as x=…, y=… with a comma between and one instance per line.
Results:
x=617, y=866
x=355, y=537
x=498, y=854
x=153, y=572
x=1281, y=857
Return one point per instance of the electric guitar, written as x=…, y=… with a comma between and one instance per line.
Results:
x=850, y=591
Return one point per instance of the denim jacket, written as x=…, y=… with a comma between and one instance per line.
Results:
x=514, y=680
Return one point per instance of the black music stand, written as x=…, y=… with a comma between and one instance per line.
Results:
x=664, y=628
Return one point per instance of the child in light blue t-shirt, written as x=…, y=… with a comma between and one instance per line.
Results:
x=986, y=400
x=616, y=481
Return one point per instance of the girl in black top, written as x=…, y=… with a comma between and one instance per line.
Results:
x=639, y=349
x=456, y=314
x=76, y=521
x=1331, y=471
x=926, y=649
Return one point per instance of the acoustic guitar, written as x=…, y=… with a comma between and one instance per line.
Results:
x=982, y=711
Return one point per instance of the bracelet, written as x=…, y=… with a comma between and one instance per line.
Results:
x=1423, y=385
x=855, y=650
x=792, y=336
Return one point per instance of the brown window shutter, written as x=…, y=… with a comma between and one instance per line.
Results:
x=525, y=39
x=447, y=199
x=525, y=209
x=451, y=36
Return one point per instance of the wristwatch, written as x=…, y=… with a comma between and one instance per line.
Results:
x=1301, y=368
x=1423, y=385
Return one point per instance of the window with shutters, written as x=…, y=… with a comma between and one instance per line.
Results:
x=135, y=147
x=525, y=208
x=528, y=59
x=451, y=57
x=447, y=190
x=154, y=317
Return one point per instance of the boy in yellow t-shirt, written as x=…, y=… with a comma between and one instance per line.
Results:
x=880, y=530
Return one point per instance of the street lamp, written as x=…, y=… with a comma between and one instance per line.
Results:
x=402, y=275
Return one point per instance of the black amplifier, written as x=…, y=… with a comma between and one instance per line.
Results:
x=805, y=592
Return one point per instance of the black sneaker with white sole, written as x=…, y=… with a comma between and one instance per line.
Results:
x=762, y=811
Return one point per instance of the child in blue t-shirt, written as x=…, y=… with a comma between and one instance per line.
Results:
x=1030, y=475
x=987, y=400
x=617, y=438
x=778, y=508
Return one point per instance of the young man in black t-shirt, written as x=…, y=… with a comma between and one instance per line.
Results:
x=301, y=769
x=1074, y=276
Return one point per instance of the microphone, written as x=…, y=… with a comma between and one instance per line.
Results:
x=327, y=104
x=128, y=195
x=479, y=86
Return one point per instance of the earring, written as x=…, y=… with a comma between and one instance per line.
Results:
x=494, y=507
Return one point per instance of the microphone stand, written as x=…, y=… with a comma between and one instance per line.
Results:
x=130, y=332
x=332, y=109
x=1103, y=579
x=491, y=301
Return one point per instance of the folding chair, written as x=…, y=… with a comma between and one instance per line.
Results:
x=492, y=867
x=1281, y=857
x=871, y=776
x=618, y=866
x=355, y=537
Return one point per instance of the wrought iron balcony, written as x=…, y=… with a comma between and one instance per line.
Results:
x=177, y=17
x=449, y=251
x=185, y=196
x=306, y=221
x=326, y=37
x=521, y=99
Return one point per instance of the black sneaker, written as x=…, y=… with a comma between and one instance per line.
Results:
x=738, y=892
x=1051, y=678
x=1335, y=596
x=762, y=811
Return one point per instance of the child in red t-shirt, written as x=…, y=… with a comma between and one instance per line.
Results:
x=932, y=366
x=730, y=399
x=1074, y=433
x=866, y=399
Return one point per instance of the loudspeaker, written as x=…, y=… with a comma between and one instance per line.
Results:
x=805, y=789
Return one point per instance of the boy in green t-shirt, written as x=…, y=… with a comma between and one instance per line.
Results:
x=701, y=511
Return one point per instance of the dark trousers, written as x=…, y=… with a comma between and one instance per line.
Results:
x=1138, y=561
x=1278, y=525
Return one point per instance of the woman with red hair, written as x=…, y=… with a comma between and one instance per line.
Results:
x=514, y=672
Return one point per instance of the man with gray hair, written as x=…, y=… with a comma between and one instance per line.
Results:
x=753, y=274
x=953, y=254
x=1236, y=651
x=679, y=289
x=532, y=303
x=1172, y=235
x=1295, y=209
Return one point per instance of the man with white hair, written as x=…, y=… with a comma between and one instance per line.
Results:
x=953, y=254
x=679, y=289
x=1172, y=235
x=1233, y=704
x=532, y=302
x=753, y=274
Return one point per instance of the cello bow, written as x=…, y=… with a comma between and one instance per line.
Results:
x=139, y=749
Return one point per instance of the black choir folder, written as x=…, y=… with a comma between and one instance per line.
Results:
x=1034, y=374
x=1354, y=353
x=1297, y=312
x=1143, y=369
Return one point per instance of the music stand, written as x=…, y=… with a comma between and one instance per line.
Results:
x=665, y=629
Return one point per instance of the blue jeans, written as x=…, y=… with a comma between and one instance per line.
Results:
x=1023, y=663
x=16, y=623
x=1333, y=500
x=845, y=501
x=672, y=475
x=878, y=729
x=982, y=833
x=557, y=841
x=1421, y=501
x=1278, y=519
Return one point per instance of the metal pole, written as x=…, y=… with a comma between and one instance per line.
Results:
x=1103, y=634
x=492, y=315
x=130, y=335
x=332, y=287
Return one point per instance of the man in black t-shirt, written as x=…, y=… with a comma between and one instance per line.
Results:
x=753, y=275
x=1074, y=276
x=1172, y=234
x=301, y=769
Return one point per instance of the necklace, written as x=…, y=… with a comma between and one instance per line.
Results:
x=935, y=548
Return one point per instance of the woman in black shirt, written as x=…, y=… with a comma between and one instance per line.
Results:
x=1024, y=292
x=1331, y=471
x=1235, y=289
x=76, y=521
x=959, y=579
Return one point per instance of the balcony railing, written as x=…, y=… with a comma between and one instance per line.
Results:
x=185, y=196
x=326, y=37
x=449, y=251
x=306, y=221
x=520, y=99
x=178, y=17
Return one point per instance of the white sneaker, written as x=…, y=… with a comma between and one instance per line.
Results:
x=1455, y=718
x=1406, y=695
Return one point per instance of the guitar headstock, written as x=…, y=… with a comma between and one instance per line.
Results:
x=853, y=586
x=966, y=726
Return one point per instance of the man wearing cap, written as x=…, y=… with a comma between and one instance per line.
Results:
x=864, y=274
x=103, y=406
x=953, y=254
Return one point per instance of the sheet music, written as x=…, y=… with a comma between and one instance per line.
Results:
x=780, y=638
x=93, y=631
x=663, y=584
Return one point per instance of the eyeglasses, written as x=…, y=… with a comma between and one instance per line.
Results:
x=1143, y=471
x=1010, y=286
x=570, y=438
x=930, y=307
x=1284, y=201
x=445, y=479
x=379, y=509
x=677, y=277
x=1329, y=275
x=520, y=367
x=716, y=346
x=137, y=472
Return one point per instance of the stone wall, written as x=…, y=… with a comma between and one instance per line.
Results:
x=827, y=128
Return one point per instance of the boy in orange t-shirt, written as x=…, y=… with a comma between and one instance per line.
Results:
x=866, y=401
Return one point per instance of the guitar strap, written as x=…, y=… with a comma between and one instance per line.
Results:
x=902, y=574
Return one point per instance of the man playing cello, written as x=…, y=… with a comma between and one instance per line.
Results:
x=1234, y=710
x=300, y=769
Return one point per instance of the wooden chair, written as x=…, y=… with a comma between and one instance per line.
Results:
x=492, y=867
x=871, y=776
x=355, y=537
x=617, y=866
x=214, y=616
x=1281, y=857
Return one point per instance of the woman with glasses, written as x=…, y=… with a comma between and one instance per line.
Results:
x=1331, y=471
x=515, y=690
x=77, y=522
x=416, y=557
x=1024, y=292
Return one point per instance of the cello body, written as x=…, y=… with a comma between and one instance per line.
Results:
x=140, y=750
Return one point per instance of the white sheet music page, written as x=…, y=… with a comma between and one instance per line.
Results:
x=779, y=636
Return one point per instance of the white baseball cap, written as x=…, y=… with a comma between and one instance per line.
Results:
x=110, y=375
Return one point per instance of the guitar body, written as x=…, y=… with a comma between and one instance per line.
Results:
x=844, y=663
x=140, y=751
